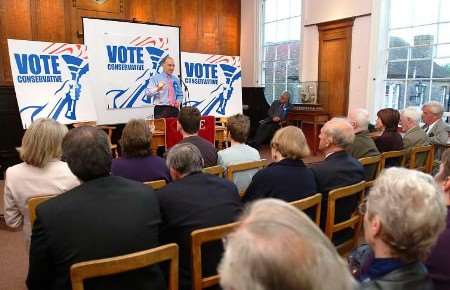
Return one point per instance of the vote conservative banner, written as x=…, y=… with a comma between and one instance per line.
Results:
x=123, y=58
x=213, y=83
x=50, y=81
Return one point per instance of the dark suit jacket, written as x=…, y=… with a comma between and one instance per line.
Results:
x=276, y=110
x=287, y=179
x=337, y=170
x=197, y=201
x=389, y=141
x=101, y=218
x=207, y=149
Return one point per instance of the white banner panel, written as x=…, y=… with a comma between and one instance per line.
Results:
x=50, y=80
x=123, y=57
x=213, y=83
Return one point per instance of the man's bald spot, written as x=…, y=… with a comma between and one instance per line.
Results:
x=340, y=130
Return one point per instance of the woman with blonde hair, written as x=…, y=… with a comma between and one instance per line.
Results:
x=41, y=172
x=287, y=178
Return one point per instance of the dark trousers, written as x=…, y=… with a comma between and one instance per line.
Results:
x=264, y=133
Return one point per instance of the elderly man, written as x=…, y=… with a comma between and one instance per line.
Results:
x=194, y=200
x=435, y=128
x=363, y=145
x=339, y=168
x=277, y=113
x=414, y=135
x=278, y=247
x=105, y=216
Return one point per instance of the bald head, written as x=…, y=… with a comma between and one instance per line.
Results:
x=336, y=134
x=359, y=119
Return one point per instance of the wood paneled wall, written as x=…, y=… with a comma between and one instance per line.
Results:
x=207, y=26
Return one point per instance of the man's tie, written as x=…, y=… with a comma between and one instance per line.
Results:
x=171, y=92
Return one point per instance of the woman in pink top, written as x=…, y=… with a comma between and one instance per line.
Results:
x=41, y=173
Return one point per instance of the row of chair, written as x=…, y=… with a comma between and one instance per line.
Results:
x=103, y=267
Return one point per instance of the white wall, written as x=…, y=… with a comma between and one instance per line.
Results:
x=316, y=11
x=250, y=30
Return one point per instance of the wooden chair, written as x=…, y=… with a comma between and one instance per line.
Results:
x=108, y=129
x=198, y=238
x=372, y=166
x=393, y=155
x=427, y=152
x=33, y=202
x=110, y=266
x=312, y=202
x=222, y=138
x=214, y=170
x=353, y=222
x=156, y=184
x=232, y=169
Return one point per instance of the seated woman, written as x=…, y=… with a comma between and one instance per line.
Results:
x=41, y=173
x=238, y=127
x=137, y=162
x=387, y=122
x=287, y=178
x=403, y=217
x=438, y=262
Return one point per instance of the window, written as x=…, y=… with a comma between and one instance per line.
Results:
x=418, y=53
x=281, y=47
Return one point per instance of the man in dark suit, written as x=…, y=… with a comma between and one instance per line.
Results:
x=105, y=216
x=194, y=201
x=277, y=113
x=339, y=168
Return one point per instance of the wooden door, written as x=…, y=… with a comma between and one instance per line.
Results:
x=335, y=44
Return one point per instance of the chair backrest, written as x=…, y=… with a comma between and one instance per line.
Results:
x=244, y=166
x=33, y=202
x=354, y=220
x=156, y=184
x=372, y=167
x=388, y=158
x=425, y=153
x=199, y=237
x=120, y=264
x=312, y=202
x=214, y=170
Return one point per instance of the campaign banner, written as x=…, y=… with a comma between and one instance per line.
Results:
x=213, y=83
x=50, y=81
x=124, y=57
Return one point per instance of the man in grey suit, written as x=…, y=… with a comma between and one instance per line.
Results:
x=414, y=135
x=435, y=128
x=277, y=113
x=363, y=145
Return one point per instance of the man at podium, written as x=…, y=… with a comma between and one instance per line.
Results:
x=164, y=90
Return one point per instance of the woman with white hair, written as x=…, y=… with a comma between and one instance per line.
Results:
x=41, y=173
x=403, y=217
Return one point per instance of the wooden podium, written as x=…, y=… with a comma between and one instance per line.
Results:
x=310, y=120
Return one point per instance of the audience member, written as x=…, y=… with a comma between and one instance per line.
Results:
x=194, y=200
x=105, y=216
x=387, y=122
x=363, y=145
x=238, y=127
x=287, y=178
x=188, y=125
x=435, y=127
x=277, y=113
x=41, y=172
x=403, y=217
x=137, y=162
x=414, y=135
x=438, y=262
x=339, y=168
x=277, y=247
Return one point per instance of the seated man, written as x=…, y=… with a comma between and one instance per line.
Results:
x=339, y=168
x=435, y=128
x=414, y=135
x=276, y=246
x=188, y=125
x=194, y=200
x=238, y=127
x=277, y=113
x=363, y=145
x=101, y=218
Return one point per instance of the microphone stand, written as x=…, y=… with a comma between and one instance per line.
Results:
x=187, y=98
